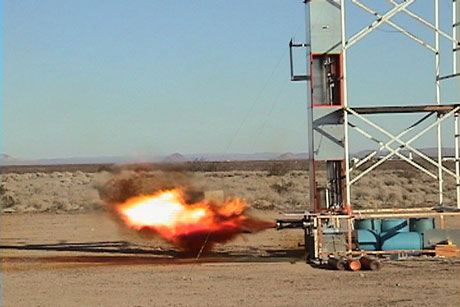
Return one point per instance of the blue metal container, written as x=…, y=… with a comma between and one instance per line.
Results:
x=368, y=224
x=368, y=240
x=401, y=241
x=421, y=224
x=395, y=225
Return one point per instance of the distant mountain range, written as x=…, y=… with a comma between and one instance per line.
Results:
x=178, y=158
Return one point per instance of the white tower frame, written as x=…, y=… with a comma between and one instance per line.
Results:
x=441, y=111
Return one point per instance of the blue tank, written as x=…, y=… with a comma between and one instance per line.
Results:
x=368, y=240
x=401, y=241
x=395, y=225
x=368, y=224
x=421, y=224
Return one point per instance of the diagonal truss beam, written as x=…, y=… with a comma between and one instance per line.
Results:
x=423, y=21
x=404, y=132
x=392, y=152
x=395, y=26
x=403, y=144
x=377, y=23
x=407, y=144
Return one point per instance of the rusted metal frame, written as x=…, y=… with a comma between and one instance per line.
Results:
x=315, y=238
x=404, y=144
x=392, y=151
x=332, y=216
x=320, y=236
x=422, y=21
x=317, y=215
x=393, y=210
x=349, y=234
x=404, y=215
x=395, y=26
x=402, y=251
x=444, y=108
x=375, y=152
x=448, y=76
x=377, y=23
x=363, y=252
x=295, y=77
x=441, y=222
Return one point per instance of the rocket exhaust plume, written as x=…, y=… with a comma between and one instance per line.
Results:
x=188, y=226
x=160, y=207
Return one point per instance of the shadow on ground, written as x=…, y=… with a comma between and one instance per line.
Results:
x=122, y=252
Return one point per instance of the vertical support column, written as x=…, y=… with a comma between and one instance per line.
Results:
x=311, y=156
x=438, y=99
x=456, y=66
x=456, y=69
x=326, y=106
x=457, y=162
x=455, y=19
x=345, y=105
x=350, y=230
x=457, y=37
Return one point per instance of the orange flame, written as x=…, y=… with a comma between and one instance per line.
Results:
x=188, y=226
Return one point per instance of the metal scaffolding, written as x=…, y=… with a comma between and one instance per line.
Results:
x=440, y=111
x=328, y=223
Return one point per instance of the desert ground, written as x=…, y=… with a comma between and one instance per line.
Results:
x=60, y=246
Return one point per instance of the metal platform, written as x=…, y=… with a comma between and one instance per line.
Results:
x=434, y=108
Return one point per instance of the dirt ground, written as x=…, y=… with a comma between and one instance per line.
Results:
x=86, y=259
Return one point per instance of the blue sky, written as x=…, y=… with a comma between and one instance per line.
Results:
x=91, y=78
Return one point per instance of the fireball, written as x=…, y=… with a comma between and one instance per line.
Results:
x=189, y=226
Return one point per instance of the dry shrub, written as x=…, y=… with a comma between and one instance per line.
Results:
x=361, y=194
x=408, y=174
x=282, y=187
x=278, y=169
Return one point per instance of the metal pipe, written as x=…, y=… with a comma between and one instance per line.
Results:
x=349, y=234
x=345, y=104
x=394, y=210
x=454, y=37
x=438, y=99
x=457, y=37
x=423, y=251
x=404, y=215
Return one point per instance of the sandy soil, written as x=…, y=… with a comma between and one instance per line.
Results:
x=86, y=259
